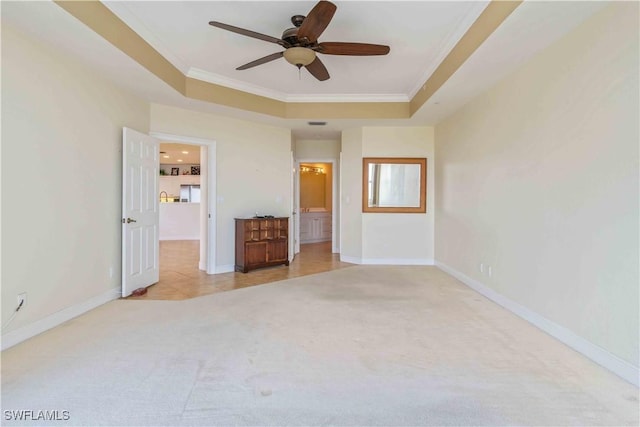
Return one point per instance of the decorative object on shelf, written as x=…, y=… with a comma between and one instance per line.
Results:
x=185, y=172
x=175, y=171
x=195, y=170
x=163, y=172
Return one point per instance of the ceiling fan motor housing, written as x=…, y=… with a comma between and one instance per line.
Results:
x=290, y=35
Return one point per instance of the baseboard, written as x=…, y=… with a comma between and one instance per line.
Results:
x=28, y=331
x=397, y=261
x=387, y=261
x=224, y=269
x=350, y=259
x=304, y=242
x=594, y=352
x=180, y=238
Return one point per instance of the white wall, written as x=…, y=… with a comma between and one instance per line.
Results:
x=179, y=221
x=253, y=168
x=538, y=178
x=383, y=238
x=60, y=225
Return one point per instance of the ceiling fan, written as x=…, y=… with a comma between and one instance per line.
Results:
x=301, y=42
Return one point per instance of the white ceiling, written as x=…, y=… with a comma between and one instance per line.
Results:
x=173, y=154
x=420, y=34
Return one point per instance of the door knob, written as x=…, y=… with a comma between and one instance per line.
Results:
x=129, y=220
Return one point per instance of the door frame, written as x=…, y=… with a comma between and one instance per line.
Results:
x=334, y=198
x=294, y=243
x=209, y=211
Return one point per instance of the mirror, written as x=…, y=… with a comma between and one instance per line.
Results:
x=316, y=187
x=394, y=185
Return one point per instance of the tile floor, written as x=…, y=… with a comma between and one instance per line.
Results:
x=181, y=279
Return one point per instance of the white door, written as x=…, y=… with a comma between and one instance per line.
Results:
x=140, y=217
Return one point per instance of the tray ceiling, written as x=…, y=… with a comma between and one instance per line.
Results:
x=190, y=44
x=420, y=35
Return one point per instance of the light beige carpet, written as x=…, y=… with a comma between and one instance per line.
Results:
x=359, y=346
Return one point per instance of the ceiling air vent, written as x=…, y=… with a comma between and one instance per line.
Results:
x=317, y=123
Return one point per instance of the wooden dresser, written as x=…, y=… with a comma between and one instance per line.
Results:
x=261, y=242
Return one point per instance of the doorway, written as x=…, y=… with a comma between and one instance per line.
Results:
x=179, y=210
x=316, y=201
x=196, y=204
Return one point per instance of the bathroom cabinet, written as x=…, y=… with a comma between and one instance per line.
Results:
x=315, y=227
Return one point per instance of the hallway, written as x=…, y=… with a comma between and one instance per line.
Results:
x=181, y=279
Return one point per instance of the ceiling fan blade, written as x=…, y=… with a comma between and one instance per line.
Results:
x=260, y=61
x=248, y=33
x=318, y=70
x=355, y=49
x=316, y=21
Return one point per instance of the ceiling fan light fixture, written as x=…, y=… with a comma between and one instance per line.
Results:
x=299, y=56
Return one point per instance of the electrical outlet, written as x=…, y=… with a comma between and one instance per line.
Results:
x=490, y=271
x=481, y=268
x=22, y=297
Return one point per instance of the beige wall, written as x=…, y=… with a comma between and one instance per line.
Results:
x=61, y=186
x=538, y=178
x=386, y=238
x=407, y=238
x=351, y=195
x=317, y=149
x=253, y=167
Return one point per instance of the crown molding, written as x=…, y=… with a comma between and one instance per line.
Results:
x=120, y=9
x=206, y=76
x=349, y=98
x=123, y=12
x=485, y=24
x=203, y=86
x=459, y=30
